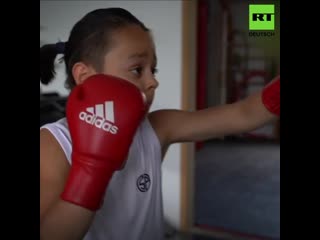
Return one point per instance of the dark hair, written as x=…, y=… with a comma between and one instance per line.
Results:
x=89, y=41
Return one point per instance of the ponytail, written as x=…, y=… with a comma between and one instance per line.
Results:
x=48, y=54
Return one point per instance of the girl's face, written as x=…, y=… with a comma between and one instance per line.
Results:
x=132, y=57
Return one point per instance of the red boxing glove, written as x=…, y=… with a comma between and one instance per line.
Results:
x=271, y=96
x=103, y=114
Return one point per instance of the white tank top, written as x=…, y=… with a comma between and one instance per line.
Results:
x=132, y=208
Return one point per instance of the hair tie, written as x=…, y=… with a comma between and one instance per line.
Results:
x=60, y=47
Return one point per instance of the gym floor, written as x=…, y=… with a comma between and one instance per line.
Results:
x=237, y=187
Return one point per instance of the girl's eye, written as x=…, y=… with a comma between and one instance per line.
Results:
x=137, y=71
x=155, y=71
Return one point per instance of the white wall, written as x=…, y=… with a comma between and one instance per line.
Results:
x=165, y=19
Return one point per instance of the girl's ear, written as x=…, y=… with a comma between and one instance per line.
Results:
x=81, y=71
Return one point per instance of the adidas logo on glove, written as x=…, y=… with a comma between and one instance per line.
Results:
x=101, y=116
